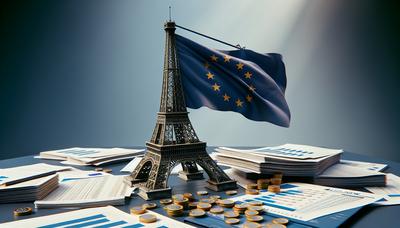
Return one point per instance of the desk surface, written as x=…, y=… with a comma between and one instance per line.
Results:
x=367, y=217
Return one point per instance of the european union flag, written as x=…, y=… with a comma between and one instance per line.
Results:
x=243, y=81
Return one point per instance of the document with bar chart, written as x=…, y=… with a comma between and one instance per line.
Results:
x=307, y=201
x=100, y=217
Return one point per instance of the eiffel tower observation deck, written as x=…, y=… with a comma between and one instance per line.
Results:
x=174, y=141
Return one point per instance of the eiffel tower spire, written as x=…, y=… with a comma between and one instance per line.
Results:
x=174, y=140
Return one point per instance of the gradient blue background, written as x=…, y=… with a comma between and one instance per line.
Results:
x=88, y=73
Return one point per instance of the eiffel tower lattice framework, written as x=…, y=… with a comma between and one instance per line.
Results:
x=174, y=140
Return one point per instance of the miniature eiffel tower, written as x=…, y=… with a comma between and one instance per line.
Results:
x=174, y=140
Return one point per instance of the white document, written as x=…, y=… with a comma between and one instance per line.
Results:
x=19, y=174
x=95, y=217
x=391, y=191
x=352, y=169
x=365, y=165
x=76, y=174
x=100, y=191
x=307, y=201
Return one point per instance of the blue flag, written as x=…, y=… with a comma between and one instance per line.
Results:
x=243, y=81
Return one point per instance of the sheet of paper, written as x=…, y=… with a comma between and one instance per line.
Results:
x=105, y=190
x=352, y=169
x=307, y=201
x=298, y=151
x=391, y=191
x=76, y=174
x=95, y=217
x=365, y=165
x=23, y=173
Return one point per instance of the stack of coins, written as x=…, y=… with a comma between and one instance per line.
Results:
x=227, y=203
x=252, y=191
x=231, y=192
x=251, y=213
x=262, y=184
x=197, y=213
x=202, y=193
x=23, y=211
x=278, y=175
x=189, y=196
x=137, y=210
x=184, y=202
x=282, y=221
x=147, y=218
x=174, y=210
x=149, y=205
x=259, y=209
x=274, y=188
x=240, y=208
x=276, y=181
x=204, y=206
x=208, y=200
x=251, y=186
x=166, y=201
x=217, y=210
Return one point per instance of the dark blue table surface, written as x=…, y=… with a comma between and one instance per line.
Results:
x=382, y=216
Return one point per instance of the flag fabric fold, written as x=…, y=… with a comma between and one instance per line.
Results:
x=242, y=81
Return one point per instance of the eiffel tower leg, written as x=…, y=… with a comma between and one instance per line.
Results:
x=190, y=171
x=218, y=181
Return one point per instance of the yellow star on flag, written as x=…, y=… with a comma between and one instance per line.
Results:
x=240, y=66
x=227, y=58
x=214, y=58
x=239, y=103
x=252, y=88
x=210, y=75
x=226, y=97
x=216, y=87
x=248, y=75
x=249, y=98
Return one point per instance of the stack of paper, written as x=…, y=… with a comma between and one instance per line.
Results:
x=20, y=174
x=91, y=156
x=88, y=192
x=391, y=191
x=289, y=159
x=28, y=190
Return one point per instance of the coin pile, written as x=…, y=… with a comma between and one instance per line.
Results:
x=138, y=210
x=149, y=205
x=231, y=192
x=227, y=203
x=189, y=196
x=166, y=201
x=274, y=188
x=240, y=208
x=197, y=213
x=23, y=211
x=217, y=210
x=147, y=218
x=262, y=184
x=174, y=210
x=232, y=221
x=251, y=186
x=252, y=191
x=184, y=202
x=204, y=206
x=282, y=221
x=276, y=181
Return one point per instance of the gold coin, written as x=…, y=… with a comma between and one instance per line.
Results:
x=107, y=170
x=232, y=221
x=207, y=200
x=274, y=188
x=252, y=191
x=241, y=206
x=273, y=225
x=231, y=192
x=138, y=210
x=215, y=197
x=251, y=186
x=231, y=214
x=202, y=193
x=276, y=181
x=251, y=213
x=166, y=201
x=178, y=197
x=226, y=203
x=189, y=196
x=282, y=221
x=256, y=208
x=255, y=203
x=204, y=206
x=181, y=200
x=193, y=205
x=278, y=175
x=149, y=205
x=147, y=218
x=255, y=218
x=262, y=181
x=197, y=213
x=174, y=207
x=23, y=211
x=217, y=210
x=251, y=225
